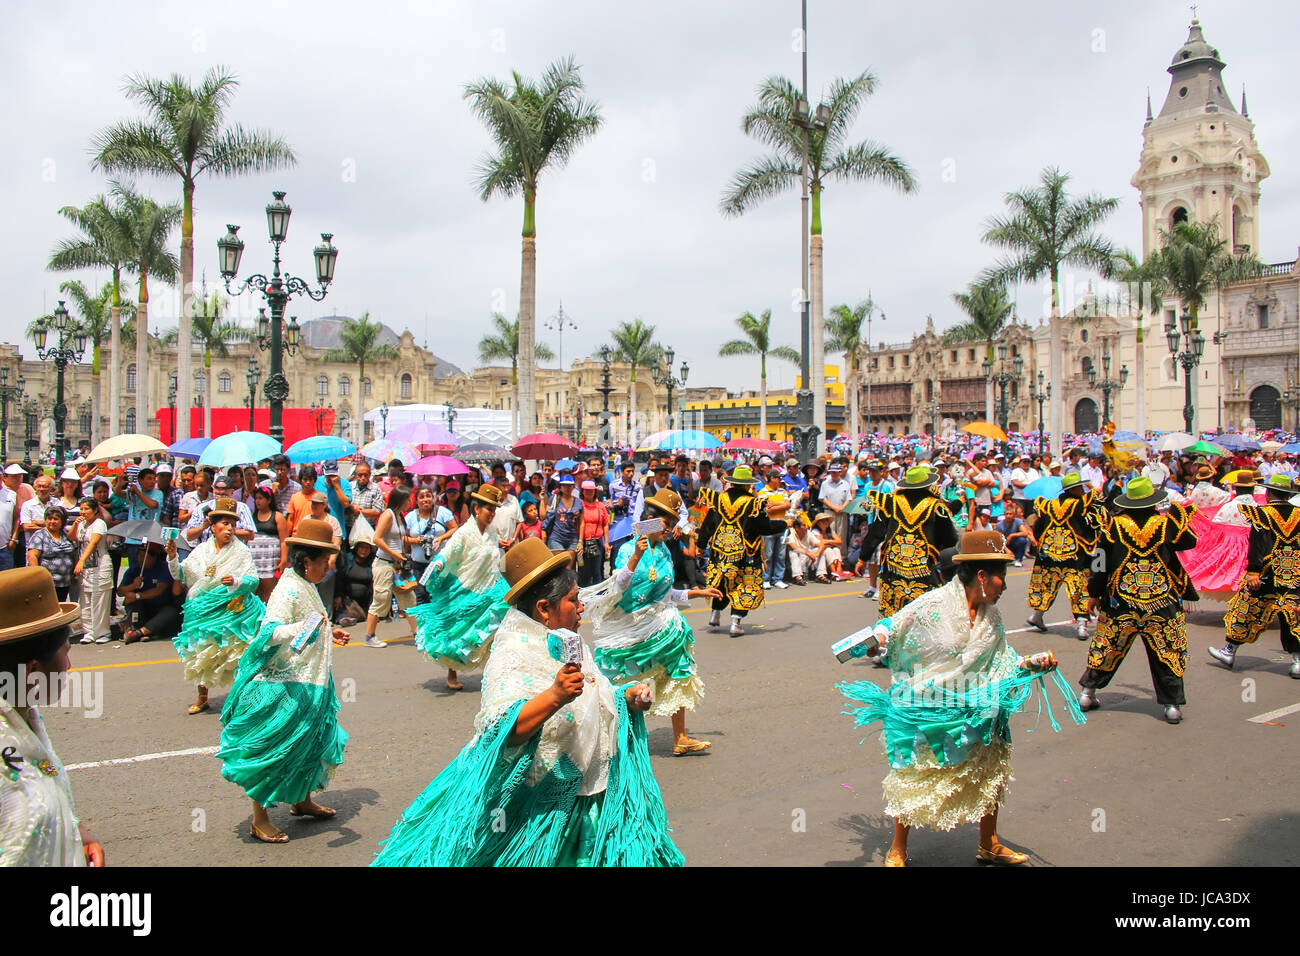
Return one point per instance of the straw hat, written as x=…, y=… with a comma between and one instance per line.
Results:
x=489, y=495
x=530, y=561
x=30, y=604
x=224, y=508
x=314, y=534
x=983, y=546
x=667, y=502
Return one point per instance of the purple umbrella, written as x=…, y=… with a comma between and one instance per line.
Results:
x=424, y=435
x=439, y=465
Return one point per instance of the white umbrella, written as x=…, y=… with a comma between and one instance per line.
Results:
x=125, y=446
x=1270, y=446
x=1175, y=441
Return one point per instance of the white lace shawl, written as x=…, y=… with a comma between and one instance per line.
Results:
x=291, y=603
x=519, y=668
x=475, y=558
x=616, y=629
x=38, y=822
x=1230, y=513
x=234, y=559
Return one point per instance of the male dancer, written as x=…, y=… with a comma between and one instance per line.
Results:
x=1065, y=538
x=912, y=526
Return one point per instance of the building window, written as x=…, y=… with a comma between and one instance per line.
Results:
x=1083, y=335
x=891, y=363
x=322, y=385
x=971, y=356
x=223, y=382
x=130, y=419
x=130, y=378
x=1263, y=316
x=1178, y=215
x=953, y=356
x=406, y=385
x=345, y=385
x=907, y=361
x=365, y=387
x=1085, y=364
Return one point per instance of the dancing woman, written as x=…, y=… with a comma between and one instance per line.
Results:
x=558, y=772
x=222, y=609
x=640, y=633
x=280, y=737
x=466, y=593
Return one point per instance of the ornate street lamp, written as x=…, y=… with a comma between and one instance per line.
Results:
x=932, y=412
x=449, y=415
x=277, y=290
x=252, y=376
x=8, y=393
x=1189, y=358
x=1040, y=395
x=383, y=414
x=30, y=414
x=606, y=355
x=318, y=413
x=663, y=376
x=171, y=406
x=63, y=355
x=1003, y=378
x=1106, y=383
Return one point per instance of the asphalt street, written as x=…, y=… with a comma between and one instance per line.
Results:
x=789, y=780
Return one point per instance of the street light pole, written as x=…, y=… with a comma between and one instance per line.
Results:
x=1040, y=395
x=558, y=323
x=1107, y=384
x=171, y=406
x=664, y=377
x=1189, y=358
x=62, y=355
x=8, y=393
x=277, y=290
x=1003, y=377
x=383, y=415
x=30, y=411
x=253, y=376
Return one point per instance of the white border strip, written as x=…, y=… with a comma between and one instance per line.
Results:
x=121, y=761
x=1274, y=714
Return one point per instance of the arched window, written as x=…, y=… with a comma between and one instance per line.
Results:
x=1085, y=364
x=223, y=382
x=1083, y=335
x=406, y=385
x=130, y=418
x=345, y=385
x=1266, y=407
x=130, y=378
x=365, y=387
x=1178, y=215
x=322, y=385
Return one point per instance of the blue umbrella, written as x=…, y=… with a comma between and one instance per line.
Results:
x=1049, y=486
x=687, y=440
x=319, y=448
x=566, y=464
x=189, y=447
x=1292, y=449
x=239, y=448
x=1236, y=442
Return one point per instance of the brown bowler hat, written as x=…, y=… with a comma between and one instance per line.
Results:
x=314, y=534
x=667, y=502
x=30, y=605
x=528, y=562
x=489, y=495
x=224, y=508
x=983, y=546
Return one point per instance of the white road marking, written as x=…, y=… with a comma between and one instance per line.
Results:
x=120, y=761
x=1274, y=714
x=1023, y=630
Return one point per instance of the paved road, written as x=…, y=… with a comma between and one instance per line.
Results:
x=786, y=781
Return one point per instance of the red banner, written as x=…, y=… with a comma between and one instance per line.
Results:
x=299, y=423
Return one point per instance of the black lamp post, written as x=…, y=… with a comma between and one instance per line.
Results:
x=277, y=290
x=63, y=355
x=664, y=377
x=449, y=414
x=171, y=406
x=1188, y=359
x=318, y=413
x=383, y=415
x=1040, y=395
x=8, y=393
x=30, y=413
x=1106, y=384
x=1002, y=378
x=252, y=376
x=932, y=411
x=198, y=403
x=606, y=356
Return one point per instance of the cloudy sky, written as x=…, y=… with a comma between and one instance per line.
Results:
x=370, y=97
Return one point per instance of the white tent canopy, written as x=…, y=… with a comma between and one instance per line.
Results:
x=472, y=424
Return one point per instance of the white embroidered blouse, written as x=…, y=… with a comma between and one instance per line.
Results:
x=38, y=822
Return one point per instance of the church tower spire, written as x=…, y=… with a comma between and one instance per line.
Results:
x=1244, y=112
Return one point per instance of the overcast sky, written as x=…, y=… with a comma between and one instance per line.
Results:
x=370, y=97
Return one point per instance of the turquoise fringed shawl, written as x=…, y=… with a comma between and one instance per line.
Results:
x=478, y=812
x=652, y=579
x=209, y=617
x=457, y=620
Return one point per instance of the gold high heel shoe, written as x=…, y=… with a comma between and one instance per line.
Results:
x=1001, y=856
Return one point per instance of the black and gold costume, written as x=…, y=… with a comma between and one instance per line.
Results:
x=1067, y=537
x=911, y=528
x=1142, y=587
x=733, y=531
x=1274, y=554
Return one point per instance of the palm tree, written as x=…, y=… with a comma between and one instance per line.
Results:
x=213, y=333
x=772, y=122
x=633, y=343
x=987, y=308
x=844, y=334
x=94, y=318
x=757, y=341
x=505, y=345
x=1044, y=230
x=151, y=227
x=533, y=125
x=185, y=135
x=358, y=343
x=103, y=244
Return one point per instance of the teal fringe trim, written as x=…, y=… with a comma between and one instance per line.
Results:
x=280, y=741
x=950, y=725
x=478, y=812
x=457, y=621
x=670, y=647
x=207, y=619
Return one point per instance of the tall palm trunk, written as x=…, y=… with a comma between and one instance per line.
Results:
x=360, y=432
x=207, y=388
x=762, y=395
x=1056, y=404
x=1139, y=348
x=184, y=335
x=115, y=357
x=516, y=413
x=142, y=357
x=853, y=407
x=528, y=320
x=631, y=402
x=817, y=335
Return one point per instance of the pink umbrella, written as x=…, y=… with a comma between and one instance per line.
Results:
x=425, y=436
x=753, y=444
x=544, y=445
x=439, y=465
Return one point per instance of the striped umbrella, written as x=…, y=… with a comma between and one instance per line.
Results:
x=386, y=449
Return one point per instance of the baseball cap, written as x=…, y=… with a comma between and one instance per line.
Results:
x=164, y=469
x=70, y=474
x=319, y=497
x=588, y=485
x=16, y=469
x=221, y=481
x=453, y=486
x=330, y=467
x=568, y=479
x=792, y=463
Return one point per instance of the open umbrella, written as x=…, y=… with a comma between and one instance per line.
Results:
x=439, y=465
x=544, y=445
x=189, y=447
x=1175, y=441
x=482, y=451
x=1203, y=448
x=319, y=448
x=386, y=449
x=690, y=439
x=753, y=444
x=1291, y=449
x=1236, y=442
x=425, y=435
x=1049, y=486
x=566, y=464
x=985, y=430
x=148, y=531
x=1270, y=446
x=239, y=448
x=125, y=446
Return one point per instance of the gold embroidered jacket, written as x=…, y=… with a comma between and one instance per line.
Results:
x=1138, y=570
x=1066, y=533
x=1274, y=550
x=734, y=527
x=911, y=528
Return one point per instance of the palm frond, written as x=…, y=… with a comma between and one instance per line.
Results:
x=768, y=177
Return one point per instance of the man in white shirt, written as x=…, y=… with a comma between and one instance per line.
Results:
x=32, y=515
x=1157, y=469
x=835, y=495
x=1073, y=462
x=708, y=479
x=1023, y=474
x=1092, y=473
x=197, y=529
x=9, y=519
x=508, y=515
